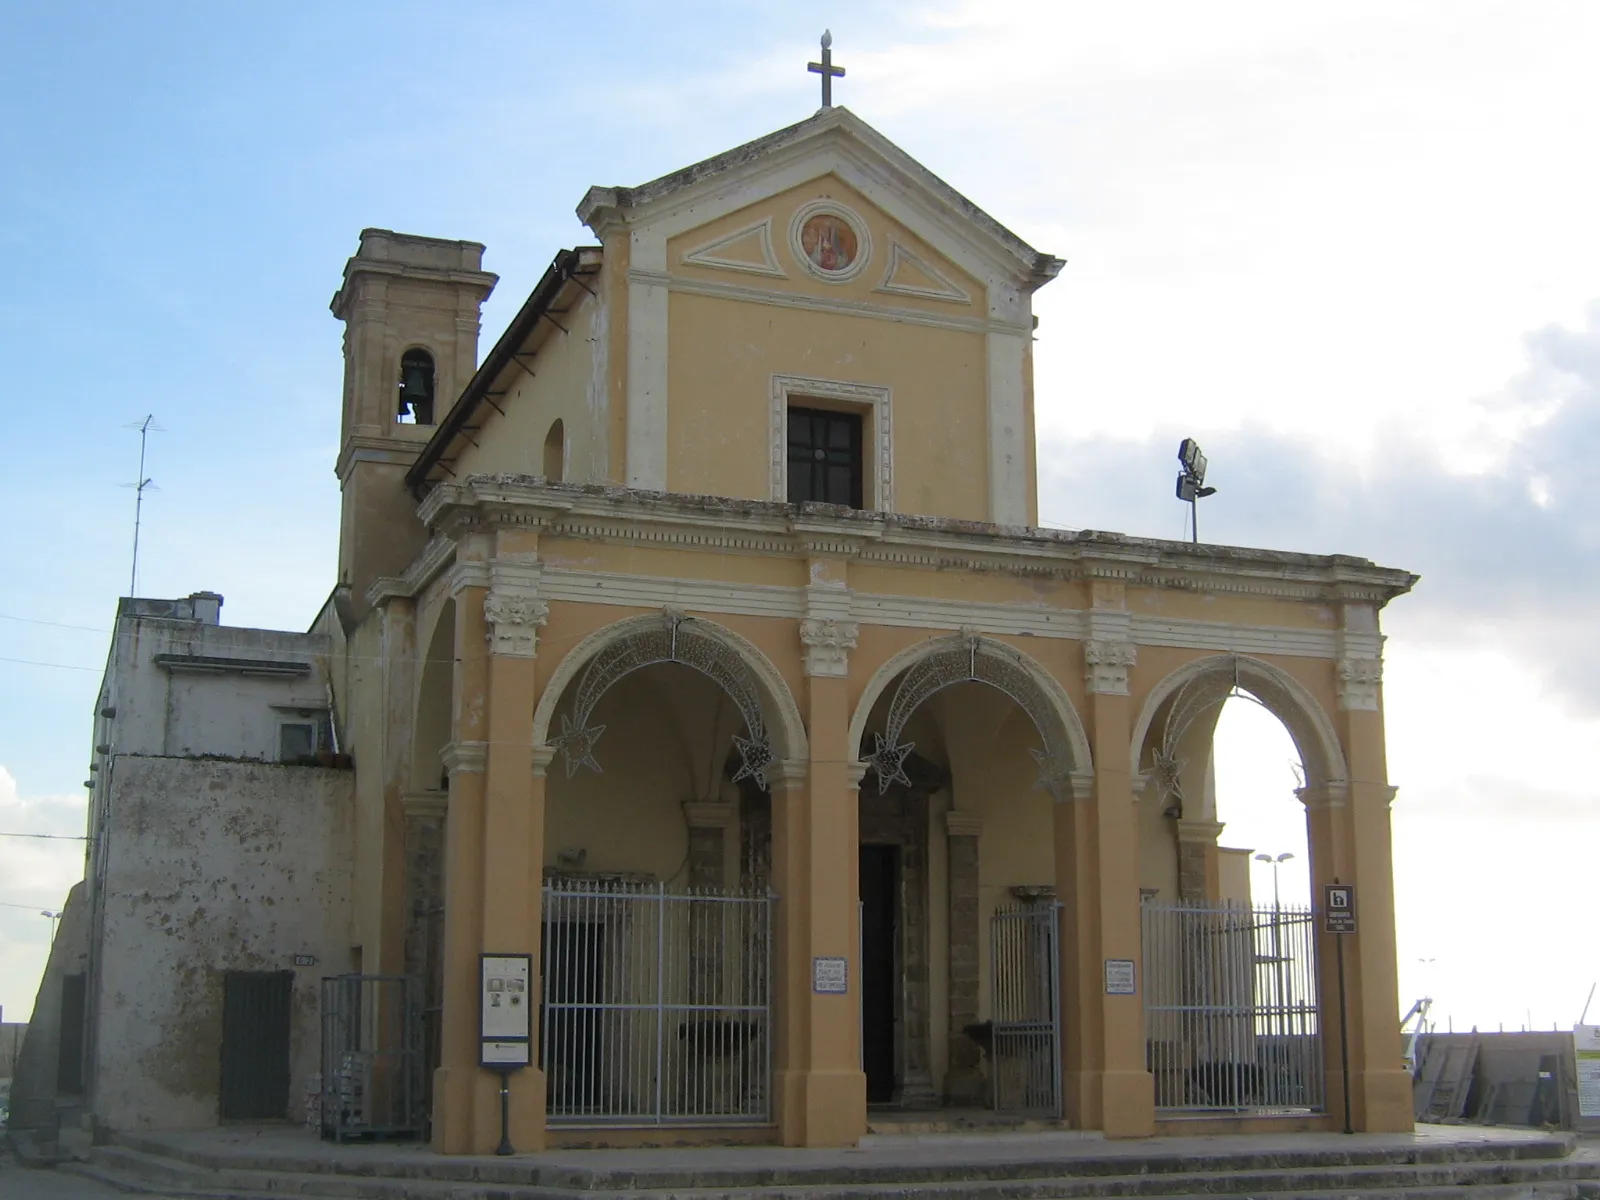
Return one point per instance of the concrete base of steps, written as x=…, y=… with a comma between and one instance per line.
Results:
x=1009, y=1166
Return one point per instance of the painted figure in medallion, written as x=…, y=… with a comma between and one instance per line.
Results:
x=829, y=242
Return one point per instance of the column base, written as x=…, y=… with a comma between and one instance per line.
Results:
x=965, y=1087
x=466, y=1110
x=1122, y=1104
x=1383, y=1101
x=822, y=1108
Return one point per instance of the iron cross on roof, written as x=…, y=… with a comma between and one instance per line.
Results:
x=826, y=69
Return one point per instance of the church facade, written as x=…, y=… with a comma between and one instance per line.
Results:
x=700, y=643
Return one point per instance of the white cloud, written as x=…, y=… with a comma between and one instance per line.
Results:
x=35, y=875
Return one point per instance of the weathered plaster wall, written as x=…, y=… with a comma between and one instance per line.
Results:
x=161, y=712
x=214, y=866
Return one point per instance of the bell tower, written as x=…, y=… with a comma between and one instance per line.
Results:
x=410, y=307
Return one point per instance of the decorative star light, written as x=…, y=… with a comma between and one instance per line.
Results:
x=889, y=761
x=755, y=756
x=1169, y=772
x=1052, y=772
x=576, y=743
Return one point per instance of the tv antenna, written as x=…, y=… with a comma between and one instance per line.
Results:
x=1191, y=481
x=145, y=427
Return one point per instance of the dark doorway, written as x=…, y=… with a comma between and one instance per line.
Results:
x=69, y=1051
x=880, y=918
x=255, y=1044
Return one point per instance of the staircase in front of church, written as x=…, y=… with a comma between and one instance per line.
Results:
x=1440, y=1163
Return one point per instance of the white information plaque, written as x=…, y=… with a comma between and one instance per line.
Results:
x=510, y=1054
x=1586, y=1042
x=830, y=976
x=507, y=1011
x=1120, y=979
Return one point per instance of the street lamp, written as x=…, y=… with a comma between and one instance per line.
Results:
x=1277, y=944
x=54, y=918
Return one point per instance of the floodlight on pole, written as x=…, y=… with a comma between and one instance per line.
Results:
x=55, y=918
x=1191, y=481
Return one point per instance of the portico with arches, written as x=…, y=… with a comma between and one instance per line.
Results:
x=707, y=649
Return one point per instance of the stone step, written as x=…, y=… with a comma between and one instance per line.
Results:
x=1570, y=1179
x=901, y=1160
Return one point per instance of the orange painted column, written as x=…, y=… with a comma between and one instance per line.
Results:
x=821, y=1088
x=455, y=1082
x=1381, y=1088
x=1112, y=1088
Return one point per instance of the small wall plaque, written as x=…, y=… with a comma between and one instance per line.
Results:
x=830, y=976
x=305, y=960
x=1120, y=978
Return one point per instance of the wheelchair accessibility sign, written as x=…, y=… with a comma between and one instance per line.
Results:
x=1339, y=908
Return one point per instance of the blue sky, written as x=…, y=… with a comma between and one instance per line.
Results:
x=1351, y=246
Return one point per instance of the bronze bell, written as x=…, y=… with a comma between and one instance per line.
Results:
x=416, y=390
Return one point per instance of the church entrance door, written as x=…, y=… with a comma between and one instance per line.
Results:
x=880, y=919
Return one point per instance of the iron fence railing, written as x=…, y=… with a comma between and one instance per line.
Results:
x=373, y=1068
x=656, y=1006
x=1231, y=1009
x=1025, y=1008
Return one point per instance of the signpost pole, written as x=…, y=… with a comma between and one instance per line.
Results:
x=1339, y=919
x=505, y=1115
x=1344, y=1032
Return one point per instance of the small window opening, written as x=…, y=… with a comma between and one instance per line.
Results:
x=297, y=742
x=416, y=389
x=555, y=452
x=825, y=457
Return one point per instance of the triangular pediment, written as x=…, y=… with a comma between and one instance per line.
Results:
x=838, y=143
x=907, y=274
x=748, y=250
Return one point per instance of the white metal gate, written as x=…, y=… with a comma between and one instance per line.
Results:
x=657, y=1005
x=1231, y=1014
x=1025, y=1008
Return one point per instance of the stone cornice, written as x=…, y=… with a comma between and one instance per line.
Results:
x=629, y=516
x=470, y=758
x=425, y=804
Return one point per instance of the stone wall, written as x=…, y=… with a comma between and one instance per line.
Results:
x=211, y=866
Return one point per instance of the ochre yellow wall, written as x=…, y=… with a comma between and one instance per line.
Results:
x=725, y=349
x=725, y=353
x=562, y=386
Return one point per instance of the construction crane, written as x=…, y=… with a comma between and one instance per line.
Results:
x=1418, y=1012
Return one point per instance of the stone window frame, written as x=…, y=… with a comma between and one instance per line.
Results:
x=873, y=402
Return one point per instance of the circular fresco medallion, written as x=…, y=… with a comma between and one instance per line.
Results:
x=831, y=242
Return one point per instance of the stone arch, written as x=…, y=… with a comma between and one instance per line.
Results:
x=932, y=665
x=772, y=718
x=433, y=716
x=1204, y=683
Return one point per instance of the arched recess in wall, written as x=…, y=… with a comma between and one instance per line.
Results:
x=435, y=703
x=774, y=729
x=929, y=667
x=555, y=452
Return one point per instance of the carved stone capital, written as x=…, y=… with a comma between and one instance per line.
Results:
x=963, y=824
x=1106, y=666
x=1358, y=684
x=514, y=620
x=788, y=774
x=424, y=804
x=1327, y=795
x=542, y=757
x=828, y=644
x=1203, y=832
x=465, y=758
x=708, y=814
